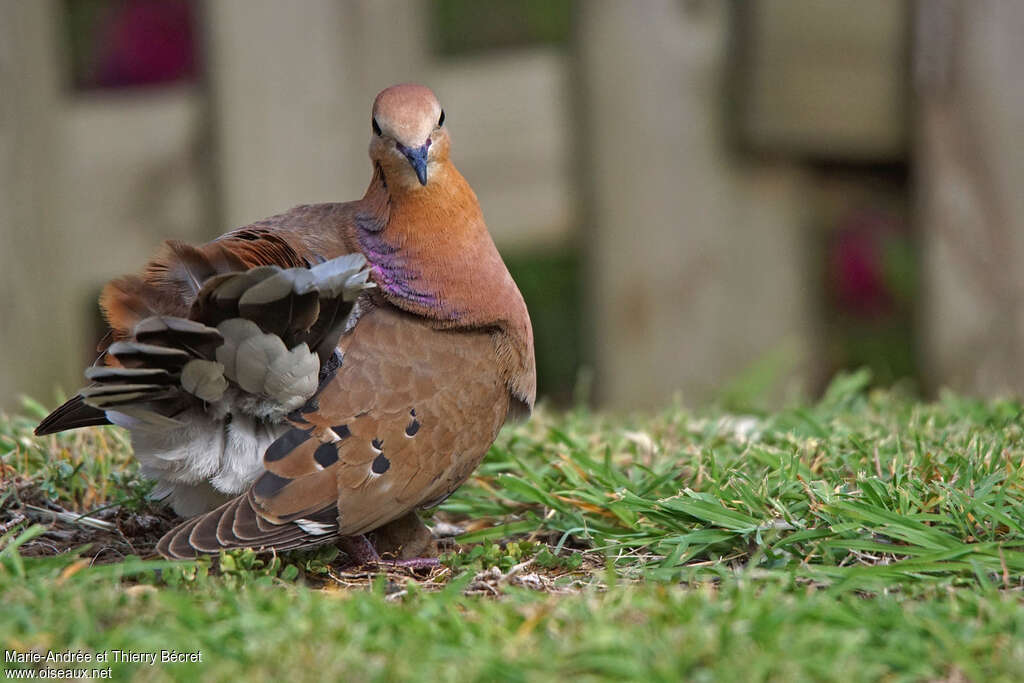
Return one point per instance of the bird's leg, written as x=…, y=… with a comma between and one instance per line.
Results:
x=359, y=549
x=405, y=539
x=361, y=552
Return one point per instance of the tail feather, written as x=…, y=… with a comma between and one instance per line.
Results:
x=104, y=396
x=197, y=339
x=184, y=269
x=172, y=281
x=285, y=304
x=131, y=354
x=166, y=362
x=72, y=414
x=113, y=374
x=130, y=299
x=322, y=337
x=198, y=329
x=339, y=281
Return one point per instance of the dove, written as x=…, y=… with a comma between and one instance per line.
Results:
x=321, y=375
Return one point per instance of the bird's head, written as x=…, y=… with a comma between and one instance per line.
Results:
x=409, y=138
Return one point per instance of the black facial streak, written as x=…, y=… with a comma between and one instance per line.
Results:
x=342, y=431
x=368, y=222
x=269, y=484
x=285, y=444
x=380, y=464
x=413, y=427
x=326, y=454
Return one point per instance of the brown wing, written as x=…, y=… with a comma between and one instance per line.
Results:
x=407, y=418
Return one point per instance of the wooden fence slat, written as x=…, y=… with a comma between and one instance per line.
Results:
x=36, y=314
x=89, y=186
x=826, y=79
x=513, y=139
x=291, y=94
x=969, y=163
x=695, y=260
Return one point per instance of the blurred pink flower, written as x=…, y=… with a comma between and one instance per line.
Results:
x=147, y=42
x=857, y=264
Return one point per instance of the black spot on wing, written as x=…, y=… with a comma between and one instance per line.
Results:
x=378, y=444
x=269, y=485
x=326, y=454
x=342, y=431
x=412, y=427
x=380, y=464
x=285, y=444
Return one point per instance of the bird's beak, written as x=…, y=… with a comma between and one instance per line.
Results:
x=417, y=159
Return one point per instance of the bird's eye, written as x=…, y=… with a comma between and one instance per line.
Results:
x=440, y=121
x=376, y=127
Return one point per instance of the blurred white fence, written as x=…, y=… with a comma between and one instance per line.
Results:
x=697, y=258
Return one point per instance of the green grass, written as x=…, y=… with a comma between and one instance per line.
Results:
x=865, y=537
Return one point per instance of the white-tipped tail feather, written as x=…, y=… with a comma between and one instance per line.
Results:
x=204, y=397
